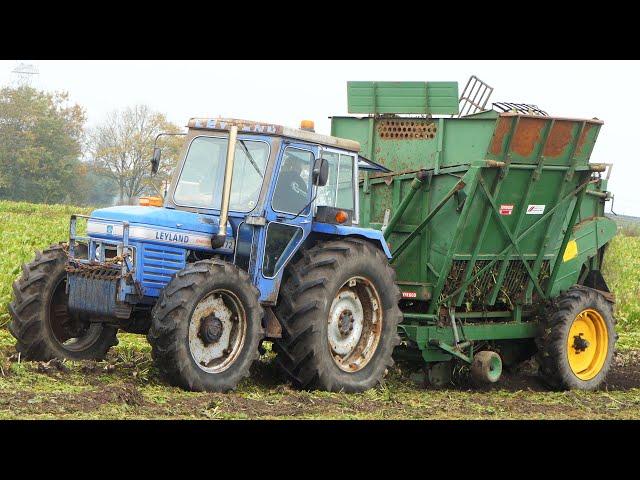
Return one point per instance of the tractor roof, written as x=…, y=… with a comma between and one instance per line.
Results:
x=264, y=128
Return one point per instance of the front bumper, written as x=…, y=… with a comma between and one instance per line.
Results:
x=101, y=285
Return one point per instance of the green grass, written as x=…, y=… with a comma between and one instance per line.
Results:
x=24, y=228
x=126, y=384
x=622, y=273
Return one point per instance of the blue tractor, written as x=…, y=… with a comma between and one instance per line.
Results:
x=257, y=239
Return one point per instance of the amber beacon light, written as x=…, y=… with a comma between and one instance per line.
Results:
x=307, y=125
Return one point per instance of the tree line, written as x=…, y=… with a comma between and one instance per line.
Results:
x=49, y=155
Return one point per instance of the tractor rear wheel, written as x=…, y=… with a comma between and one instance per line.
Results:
x=206, y=327
x=40, y=321
x=576, y=345
x=339, y=311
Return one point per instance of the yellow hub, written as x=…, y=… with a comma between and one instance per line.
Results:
x=587, y=344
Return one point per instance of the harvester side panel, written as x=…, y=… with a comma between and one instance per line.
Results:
x=496, y=243
x=412, y=143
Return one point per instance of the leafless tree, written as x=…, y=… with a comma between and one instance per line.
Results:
x=122, y=146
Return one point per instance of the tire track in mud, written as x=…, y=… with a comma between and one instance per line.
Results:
x=517, y=395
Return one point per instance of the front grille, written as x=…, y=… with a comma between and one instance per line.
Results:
x=159, y=264
x=479, y=291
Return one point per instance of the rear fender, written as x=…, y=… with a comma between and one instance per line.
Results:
x=373, y=236
x=588, y=237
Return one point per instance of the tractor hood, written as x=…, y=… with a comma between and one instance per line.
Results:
x=158, y=217
x=159, y=225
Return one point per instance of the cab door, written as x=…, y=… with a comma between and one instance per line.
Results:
x=288, y=214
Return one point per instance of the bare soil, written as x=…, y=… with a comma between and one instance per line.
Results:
x=126, y=386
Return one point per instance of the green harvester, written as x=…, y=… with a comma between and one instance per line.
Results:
x=495, y=219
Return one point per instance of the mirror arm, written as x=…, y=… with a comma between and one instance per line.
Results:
x=165, y=133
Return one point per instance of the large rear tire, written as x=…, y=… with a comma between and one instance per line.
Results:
x=40, y=321
x=576, y=344
x=339, y=311
x=206, y=327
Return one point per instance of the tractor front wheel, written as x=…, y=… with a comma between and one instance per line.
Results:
x=576, y=345
x=40, y=320
x=206, y=327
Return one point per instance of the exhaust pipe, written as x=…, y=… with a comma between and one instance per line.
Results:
x=218, y=239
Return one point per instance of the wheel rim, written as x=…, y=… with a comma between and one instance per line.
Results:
x=71, y=334
x=494, y=369
x=354, y=324
x=587, y=344
x=217, y=331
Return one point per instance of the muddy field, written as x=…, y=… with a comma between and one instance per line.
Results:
x=126, y=386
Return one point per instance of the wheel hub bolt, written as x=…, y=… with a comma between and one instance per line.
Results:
x=345, y=323
x=579, y=343
x=210, y=329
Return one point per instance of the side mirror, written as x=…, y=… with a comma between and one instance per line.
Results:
x=155, y=160
x=320, y=173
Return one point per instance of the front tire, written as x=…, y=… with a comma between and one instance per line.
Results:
x=206, y=327
x=577, y=342
x=40, y=321
x=339, y=311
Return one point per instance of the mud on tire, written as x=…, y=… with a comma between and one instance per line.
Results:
x=310, y=285
x=172, y=317
x=553, y=349
x=39, y=314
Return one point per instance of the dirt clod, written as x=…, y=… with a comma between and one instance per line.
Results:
x=127, y=393
x=53, y=365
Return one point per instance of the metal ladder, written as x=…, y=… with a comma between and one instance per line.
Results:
x=474, y=97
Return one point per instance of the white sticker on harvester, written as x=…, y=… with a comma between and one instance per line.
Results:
x=535, y=209
x=506, y=209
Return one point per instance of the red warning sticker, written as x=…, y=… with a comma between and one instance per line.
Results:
x=409, y=294
x=506, y=209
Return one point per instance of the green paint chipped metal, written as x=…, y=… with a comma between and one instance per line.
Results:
x=436, y=98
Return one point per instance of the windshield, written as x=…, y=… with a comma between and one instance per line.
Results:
x=202, y=176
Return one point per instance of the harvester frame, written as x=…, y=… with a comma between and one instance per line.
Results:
x=521, y=208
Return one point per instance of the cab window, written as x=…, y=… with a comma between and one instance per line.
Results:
x=291, y=193
x=202, y=176
x=339, y=191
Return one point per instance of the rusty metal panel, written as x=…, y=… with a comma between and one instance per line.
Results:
x=561, y=141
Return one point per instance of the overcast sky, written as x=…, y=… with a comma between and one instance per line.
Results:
x=285, y=92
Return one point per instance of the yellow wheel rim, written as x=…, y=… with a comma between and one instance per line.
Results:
x=587, y=344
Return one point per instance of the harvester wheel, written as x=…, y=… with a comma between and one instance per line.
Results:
x=339, y=311
x=40, y=321
x=439, y=373
x=486, y=367
x=576, y=345
x=206, y=327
